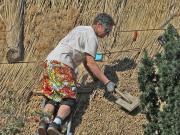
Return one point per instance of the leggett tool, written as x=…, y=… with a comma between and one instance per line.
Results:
x=126, y=100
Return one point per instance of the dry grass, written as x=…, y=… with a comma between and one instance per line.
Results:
x=9, y=13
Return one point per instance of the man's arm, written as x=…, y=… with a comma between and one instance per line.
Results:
x=95, y=79
x=94, y=69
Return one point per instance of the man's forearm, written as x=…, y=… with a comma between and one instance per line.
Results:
x=87, y=68
x=97, y=72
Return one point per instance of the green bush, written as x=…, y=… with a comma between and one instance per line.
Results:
x=159, y=81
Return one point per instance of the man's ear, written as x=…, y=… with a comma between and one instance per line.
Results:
x=98, y=23
x=98, y=26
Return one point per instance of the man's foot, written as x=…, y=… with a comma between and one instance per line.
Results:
x=54, y=129
x=42, y=129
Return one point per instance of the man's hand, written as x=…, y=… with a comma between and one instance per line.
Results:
x=110, y=86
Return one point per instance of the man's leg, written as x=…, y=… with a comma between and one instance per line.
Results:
x=63, y=112
x=48, y=111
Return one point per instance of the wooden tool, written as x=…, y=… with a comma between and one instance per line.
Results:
x=127, y=101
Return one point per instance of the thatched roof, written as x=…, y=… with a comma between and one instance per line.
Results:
x=47, y=21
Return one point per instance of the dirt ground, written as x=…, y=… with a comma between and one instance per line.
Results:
x=96, y=112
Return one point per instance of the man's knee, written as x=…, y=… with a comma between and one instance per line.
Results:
x=65, y=107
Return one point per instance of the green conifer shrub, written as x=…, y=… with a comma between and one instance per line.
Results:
x=159, y=81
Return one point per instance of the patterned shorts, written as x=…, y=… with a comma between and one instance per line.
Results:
x=58, y=81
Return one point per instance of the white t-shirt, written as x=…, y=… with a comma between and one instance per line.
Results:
x=72, y=48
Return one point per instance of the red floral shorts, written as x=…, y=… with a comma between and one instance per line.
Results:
x=58, y=81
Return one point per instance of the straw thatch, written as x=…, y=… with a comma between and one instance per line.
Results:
x=12, y=15
x=48, y=21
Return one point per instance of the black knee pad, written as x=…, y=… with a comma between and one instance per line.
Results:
x=50, y=101
x=70, y=102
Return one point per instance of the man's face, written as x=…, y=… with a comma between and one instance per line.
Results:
x=103, y=30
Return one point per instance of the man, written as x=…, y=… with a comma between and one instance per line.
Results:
x=59, y=84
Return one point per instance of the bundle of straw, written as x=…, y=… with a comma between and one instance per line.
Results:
x=12, y=14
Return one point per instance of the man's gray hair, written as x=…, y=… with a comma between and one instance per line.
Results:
x=104, y=18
